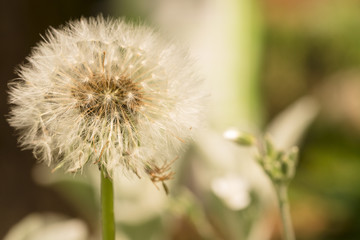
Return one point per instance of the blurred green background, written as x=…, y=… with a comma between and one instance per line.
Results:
x=294, y=48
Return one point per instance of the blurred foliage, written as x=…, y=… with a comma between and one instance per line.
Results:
x=324, y=189
x=309, y=48
x=306, y=44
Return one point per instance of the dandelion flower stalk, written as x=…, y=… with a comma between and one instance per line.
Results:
x=281, y=192
x=107, y=207
x=108, y=93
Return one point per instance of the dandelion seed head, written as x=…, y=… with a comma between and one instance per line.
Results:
x=108, y=92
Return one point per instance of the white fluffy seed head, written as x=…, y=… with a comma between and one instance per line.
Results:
x=107, y=92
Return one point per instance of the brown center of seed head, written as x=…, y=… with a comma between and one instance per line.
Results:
x=110, y=97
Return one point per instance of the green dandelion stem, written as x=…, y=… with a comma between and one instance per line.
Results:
x=107, y=206
x=281, y=191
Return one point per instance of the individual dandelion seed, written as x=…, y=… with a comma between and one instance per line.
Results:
x=161, y=174
x=106, y=92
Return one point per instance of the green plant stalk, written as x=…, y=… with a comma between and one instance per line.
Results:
x=281, y=191
x=107, y=207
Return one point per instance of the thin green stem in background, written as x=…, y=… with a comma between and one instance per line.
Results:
x=281, y=191
x=107, y=207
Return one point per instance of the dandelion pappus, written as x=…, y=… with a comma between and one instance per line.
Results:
x=161, y=174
